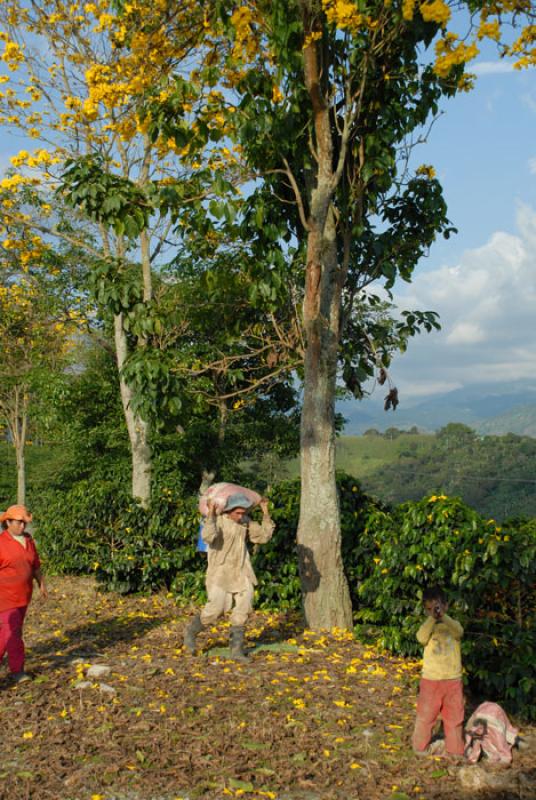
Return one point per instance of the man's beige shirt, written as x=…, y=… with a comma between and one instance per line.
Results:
x=229, y=564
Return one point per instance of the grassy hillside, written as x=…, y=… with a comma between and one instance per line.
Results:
x=496, y=475
x=361, y=456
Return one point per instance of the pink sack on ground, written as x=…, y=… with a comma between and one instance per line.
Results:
x=489, y=732
x=219, y=492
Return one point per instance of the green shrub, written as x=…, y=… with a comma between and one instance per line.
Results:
x=96, y=528
x=489, y=573
x=389, y=557
x=69, y=525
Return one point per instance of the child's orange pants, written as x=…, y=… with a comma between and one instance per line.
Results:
x=437, y=698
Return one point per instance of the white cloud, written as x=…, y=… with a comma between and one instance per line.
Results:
x=532, y=165
x=487, y=305
x=427, y=388
x=491, y=67
x=466, y=333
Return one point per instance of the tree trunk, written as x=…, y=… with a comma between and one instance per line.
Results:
x=326, y=597
x=21, y=475
x=138, y=428
x=17, y=423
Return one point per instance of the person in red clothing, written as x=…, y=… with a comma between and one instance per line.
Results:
x=19, y=567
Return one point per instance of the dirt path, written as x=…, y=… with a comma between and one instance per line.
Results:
x=311, y=717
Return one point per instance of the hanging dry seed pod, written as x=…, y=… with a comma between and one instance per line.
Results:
x=391, y=400
x=382, y=376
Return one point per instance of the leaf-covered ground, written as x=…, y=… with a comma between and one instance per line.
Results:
x=312, y=716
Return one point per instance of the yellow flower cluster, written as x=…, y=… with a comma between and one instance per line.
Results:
x=451, y=53
x=40, y=157
x=314, y=36
x=525, y=46
x=344, y=14
x=26, y=250
x=277, y=94
x=114, y=85
x=246, y=45
x=489, y=30
x=408, y=9
x=106, y=21
x=435, y=11
x=15, y=182
x=103, y=89
x=12, y=55
x=427, y=171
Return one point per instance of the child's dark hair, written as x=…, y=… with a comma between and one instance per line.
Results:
x=434, y=593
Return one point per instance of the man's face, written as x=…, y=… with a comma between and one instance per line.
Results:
x=237, y=514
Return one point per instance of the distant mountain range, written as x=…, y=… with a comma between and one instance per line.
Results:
x=490, y=409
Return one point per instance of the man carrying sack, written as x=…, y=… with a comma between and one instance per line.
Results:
x=230, y=579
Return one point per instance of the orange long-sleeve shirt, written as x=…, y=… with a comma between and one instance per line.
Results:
x=18, y=565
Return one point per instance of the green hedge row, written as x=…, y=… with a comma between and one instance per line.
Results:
x=389, y=555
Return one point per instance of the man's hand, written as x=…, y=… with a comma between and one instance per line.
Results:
x=211, y=507
x=264, y=506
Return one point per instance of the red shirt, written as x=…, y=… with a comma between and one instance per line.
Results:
x=17, y=568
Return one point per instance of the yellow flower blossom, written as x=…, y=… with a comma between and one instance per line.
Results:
x=435, y=11
x=344, y=14
x=408, y=9
x=277, y=94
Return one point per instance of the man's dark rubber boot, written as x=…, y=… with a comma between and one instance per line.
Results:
x=237, y=644
x=195, y=627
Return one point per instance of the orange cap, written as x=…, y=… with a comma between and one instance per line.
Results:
x=16, y=512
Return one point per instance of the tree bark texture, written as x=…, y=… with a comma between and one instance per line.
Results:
x=326, y=597
x=138, y=428
x=16, y=411
x=21, y=476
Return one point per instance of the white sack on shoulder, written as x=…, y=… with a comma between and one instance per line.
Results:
x=219, y=492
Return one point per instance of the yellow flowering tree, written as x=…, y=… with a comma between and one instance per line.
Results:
x=73, y=75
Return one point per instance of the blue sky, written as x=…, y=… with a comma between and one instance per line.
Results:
x=483, y=280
